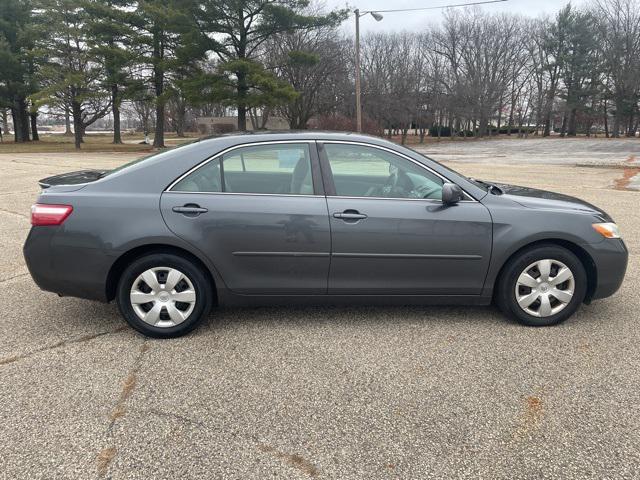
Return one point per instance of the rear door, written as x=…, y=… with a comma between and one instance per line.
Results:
x=391, y=234
x=259, y=213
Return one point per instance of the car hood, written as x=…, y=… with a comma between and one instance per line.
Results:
x=545, y=200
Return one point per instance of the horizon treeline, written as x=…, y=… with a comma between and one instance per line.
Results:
x=162, y=63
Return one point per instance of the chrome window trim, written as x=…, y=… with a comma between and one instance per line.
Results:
x=341, y=197
x=431, y=200
x=297, y=195
x=222, y=152
x=470, y=198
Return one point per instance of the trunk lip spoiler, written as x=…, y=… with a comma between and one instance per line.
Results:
x=84, y=177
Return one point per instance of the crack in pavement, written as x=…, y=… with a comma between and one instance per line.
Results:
x=128, y=386
x=22, y=215
x=107, y=454
x=105, y=457
x=78, y=167
x=104, y=460
x=63, y=343
x=24, y=162
x=17, y=193
x=177, y=416
x=15, y=276
x=293, y=460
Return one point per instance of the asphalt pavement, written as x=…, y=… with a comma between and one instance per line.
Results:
x=327, y=393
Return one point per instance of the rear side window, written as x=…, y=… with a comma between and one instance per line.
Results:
x=207, y=178
x=275, y=169
x=265, y=169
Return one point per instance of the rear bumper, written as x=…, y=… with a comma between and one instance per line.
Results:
x=64, y=268
x=610, y=258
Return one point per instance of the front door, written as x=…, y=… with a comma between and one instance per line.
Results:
x=258, y=212
x=391, y=234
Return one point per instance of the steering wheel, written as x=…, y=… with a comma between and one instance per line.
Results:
x=424, y=191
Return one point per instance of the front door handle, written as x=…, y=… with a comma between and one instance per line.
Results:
x=350, y=215
x=190, y=210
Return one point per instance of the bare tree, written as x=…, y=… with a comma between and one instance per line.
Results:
x=5, y=121
x=392, y=80
x=310, y=61
x=619, y=36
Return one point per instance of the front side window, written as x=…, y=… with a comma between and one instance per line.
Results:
x=360, y=171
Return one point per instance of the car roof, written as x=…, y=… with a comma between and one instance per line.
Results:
x=274, y=135
x=157, y=171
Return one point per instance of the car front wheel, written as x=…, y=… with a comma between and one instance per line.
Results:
x=543, y=285
x=163, y=295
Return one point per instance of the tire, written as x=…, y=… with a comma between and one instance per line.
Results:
x=523, y=280
x=169, y=313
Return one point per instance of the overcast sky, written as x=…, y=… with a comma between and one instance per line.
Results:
x=414, y=20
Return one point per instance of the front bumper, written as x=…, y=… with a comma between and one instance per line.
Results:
x=610, y=258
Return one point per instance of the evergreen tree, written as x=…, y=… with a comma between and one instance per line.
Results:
x=110, y=38
x=261, y=88
x=579, y=61
x=235, y=30
x=17, y=34
x=162, y=29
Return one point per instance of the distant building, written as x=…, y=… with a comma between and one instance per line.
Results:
x=210, y=125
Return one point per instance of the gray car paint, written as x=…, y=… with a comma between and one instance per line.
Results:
x=409, y=247
x=268, y=249
x=274, y=245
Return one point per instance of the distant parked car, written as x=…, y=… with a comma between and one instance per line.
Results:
x=313, y=218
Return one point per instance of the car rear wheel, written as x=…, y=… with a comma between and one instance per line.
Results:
x=164, y=295
x=542, y=286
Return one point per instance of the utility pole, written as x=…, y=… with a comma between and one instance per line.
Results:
x=358, y=105
x=378, y=17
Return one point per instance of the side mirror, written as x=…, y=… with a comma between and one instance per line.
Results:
x=451, y=194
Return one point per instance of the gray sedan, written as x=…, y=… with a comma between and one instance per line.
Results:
x=313, y=218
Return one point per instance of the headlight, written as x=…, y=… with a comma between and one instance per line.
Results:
x=607, y=230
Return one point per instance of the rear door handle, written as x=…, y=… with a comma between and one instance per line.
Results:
x=350, y=215
x=190, y=210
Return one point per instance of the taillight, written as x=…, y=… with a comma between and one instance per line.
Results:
x=43, y=214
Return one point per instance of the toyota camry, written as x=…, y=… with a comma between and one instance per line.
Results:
x=313, y=218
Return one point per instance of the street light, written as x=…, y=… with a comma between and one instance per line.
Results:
x=378, y=18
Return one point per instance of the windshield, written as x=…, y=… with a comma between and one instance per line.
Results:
x=484, y=186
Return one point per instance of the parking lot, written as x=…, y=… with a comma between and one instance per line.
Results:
x=336, y=393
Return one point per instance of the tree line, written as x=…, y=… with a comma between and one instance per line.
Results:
x=472, y=74
x=83, y=59
x=479, y=74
